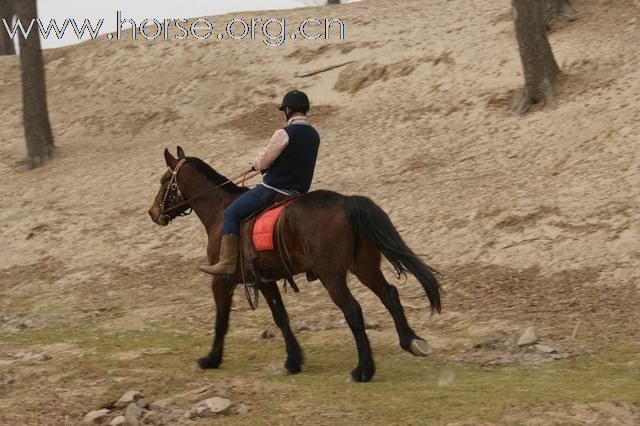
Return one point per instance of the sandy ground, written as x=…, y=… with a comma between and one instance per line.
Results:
x=533, y=220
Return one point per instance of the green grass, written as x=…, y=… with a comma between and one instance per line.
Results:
x=404, y=391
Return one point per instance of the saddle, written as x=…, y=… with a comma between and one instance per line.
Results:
x=264, y=226
x=264, y=232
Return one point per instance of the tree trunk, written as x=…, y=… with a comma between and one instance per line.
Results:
x=556, y=8
x=7, y=46
x=34, y=93
x=540, y=67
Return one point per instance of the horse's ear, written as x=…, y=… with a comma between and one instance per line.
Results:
x=181, y=153
x=171, y=161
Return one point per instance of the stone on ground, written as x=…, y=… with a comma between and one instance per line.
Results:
x=132, y=415
x=241, y=409
x=211, y=407
x=30, y=356
x=151, y=418
x=142, y=403
x=545, y=349
x=129, y=398
x=161, y=404
x=528, y=338
x=117, y=421
x=96, y=417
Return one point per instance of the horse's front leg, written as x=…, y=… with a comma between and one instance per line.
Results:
x=272, y=295
x=222, y=294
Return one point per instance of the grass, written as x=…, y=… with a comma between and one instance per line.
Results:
x=406, y=390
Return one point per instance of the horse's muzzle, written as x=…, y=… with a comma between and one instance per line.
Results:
x=157, y=217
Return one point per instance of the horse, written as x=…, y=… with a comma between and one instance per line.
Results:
x=327, y=234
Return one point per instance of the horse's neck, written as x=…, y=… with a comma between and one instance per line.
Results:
x=210, y=207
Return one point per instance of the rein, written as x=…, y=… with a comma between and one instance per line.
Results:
x=173, y=187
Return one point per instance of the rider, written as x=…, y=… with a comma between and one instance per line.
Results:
x=287, y=163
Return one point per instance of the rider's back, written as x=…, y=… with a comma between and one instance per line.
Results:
x=293, y=169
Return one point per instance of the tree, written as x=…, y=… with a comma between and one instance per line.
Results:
x=333, y=1
x=35, y=114
x=7, y=46
x=538, y=62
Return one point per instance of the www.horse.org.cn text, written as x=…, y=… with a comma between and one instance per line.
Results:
x=270, y=31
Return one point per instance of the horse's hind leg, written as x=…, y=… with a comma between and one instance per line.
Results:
x=342, y=297
x=367, y=269
x=295, y=359
x=223, y=295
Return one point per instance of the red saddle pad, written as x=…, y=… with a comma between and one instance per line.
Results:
x=263, y=228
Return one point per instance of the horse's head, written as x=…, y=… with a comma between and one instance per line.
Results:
x=170, y=202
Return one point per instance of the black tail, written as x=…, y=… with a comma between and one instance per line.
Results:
x=371, y=223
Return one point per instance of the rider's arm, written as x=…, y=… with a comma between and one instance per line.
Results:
x=268, y=155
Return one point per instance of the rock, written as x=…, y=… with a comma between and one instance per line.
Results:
x=142, y=403
x=118, y=421
x=161, y=404
x=151, y=418
x=41, y=357
x=545, y=349
x=30, y=356
x=128, y=398
x=529, y=337
x=268, y=334
x=211, y=407
x=96, y=417
x=242, y=409
x=372, y=325
x=132, y=415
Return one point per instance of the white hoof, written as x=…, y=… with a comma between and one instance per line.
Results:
x=420, y=347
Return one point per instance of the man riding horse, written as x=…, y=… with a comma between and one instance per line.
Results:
x=328, y=236
x=287, y=163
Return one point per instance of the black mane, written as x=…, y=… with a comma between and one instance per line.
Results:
x=215, y=177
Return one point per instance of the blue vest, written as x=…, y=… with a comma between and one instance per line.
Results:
x=293, y=170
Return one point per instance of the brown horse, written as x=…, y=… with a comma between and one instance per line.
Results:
x=327, y=235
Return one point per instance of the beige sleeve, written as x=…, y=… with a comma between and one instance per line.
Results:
x=268, y=155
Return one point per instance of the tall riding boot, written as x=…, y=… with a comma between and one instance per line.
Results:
x=228, y=257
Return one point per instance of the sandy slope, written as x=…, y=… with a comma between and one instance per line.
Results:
x=532, y=219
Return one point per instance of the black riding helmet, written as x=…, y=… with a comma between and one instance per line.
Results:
x=296, y=100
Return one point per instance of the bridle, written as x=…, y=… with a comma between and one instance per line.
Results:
x=173, y=193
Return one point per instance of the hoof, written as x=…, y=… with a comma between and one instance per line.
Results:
x=206, y=363
x=292, y=367
x=420, y=347
x=362, y=375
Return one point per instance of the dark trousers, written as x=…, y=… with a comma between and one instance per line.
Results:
x=244, y=206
